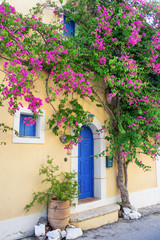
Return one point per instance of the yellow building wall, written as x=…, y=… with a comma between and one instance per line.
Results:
x=24, y=5
x=20, y=165
x=138, y=179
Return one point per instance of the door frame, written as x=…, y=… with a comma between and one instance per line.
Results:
x=100, y=190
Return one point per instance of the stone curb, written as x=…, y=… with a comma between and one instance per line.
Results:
x=150, y=210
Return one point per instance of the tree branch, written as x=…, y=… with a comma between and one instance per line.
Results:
x=108, y=110
x=47, y=79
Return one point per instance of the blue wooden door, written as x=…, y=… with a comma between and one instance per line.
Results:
x=86, y=164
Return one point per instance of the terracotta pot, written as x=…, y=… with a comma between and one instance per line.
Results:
x=58, y=213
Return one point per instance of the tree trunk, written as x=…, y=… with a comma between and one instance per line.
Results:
x=122, y=173
x=120, y=180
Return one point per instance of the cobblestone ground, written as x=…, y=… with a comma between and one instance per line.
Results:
x=145, y=228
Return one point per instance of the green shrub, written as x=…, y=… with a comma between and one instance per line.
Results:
x=63, y=190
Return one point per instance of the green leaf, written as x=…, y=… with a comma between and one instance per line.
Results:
x=99, y=105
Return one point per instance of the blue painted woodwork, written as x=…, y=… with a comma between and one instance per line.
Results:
x=29, y=131
x=70, y=27
x=86, y=164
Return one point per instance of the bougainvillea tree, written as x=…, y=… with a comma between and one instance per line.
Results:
x=116, y=48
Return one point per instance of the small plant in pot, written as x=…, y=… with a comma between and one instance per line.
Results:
x=62, y=190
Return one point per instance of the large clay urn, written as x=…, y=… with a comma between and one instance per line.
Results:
x=58, y=213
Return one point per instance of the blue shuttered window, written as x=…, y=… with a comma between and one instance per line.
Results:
x=70, y=27
x=29, y=131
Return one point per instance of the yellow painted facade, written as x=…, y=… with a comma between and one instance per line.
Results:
x=97, y=221
x=138, y=179
x=20, y=162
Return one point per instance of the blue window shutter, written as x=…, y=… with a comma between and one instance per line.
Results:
x=70, y=27
x=21, y=126
x=29, y=131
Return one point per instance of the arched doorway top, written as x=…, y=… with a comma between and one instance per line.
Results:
x=88, y=131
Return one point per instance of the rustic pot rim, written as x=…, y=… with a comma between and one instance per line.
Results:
x=54, y=199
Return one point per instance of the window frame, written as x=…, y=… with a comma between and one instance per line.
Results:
x=40, y=128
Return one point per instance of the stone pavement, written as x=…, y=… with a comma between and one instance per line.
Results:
x=145, y=228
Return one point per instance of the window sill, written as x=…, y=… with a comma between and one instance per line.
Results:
x=28, y=140
x=28, y=137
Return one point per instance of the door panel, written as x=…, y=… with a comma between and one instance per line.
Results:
x=85, y=164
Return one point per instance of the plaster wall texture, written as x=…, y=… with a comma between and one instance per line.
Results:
x=138, y=179
x=25, y=5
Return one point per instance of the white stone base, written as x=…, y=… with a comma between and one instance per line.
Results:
x=145, y=198
x=17, y=228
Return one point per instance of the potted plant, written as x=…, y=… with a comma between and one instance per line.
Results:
x=62, y=190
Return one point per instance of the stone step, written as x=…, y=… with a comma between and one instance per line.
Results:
x=95, y=217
